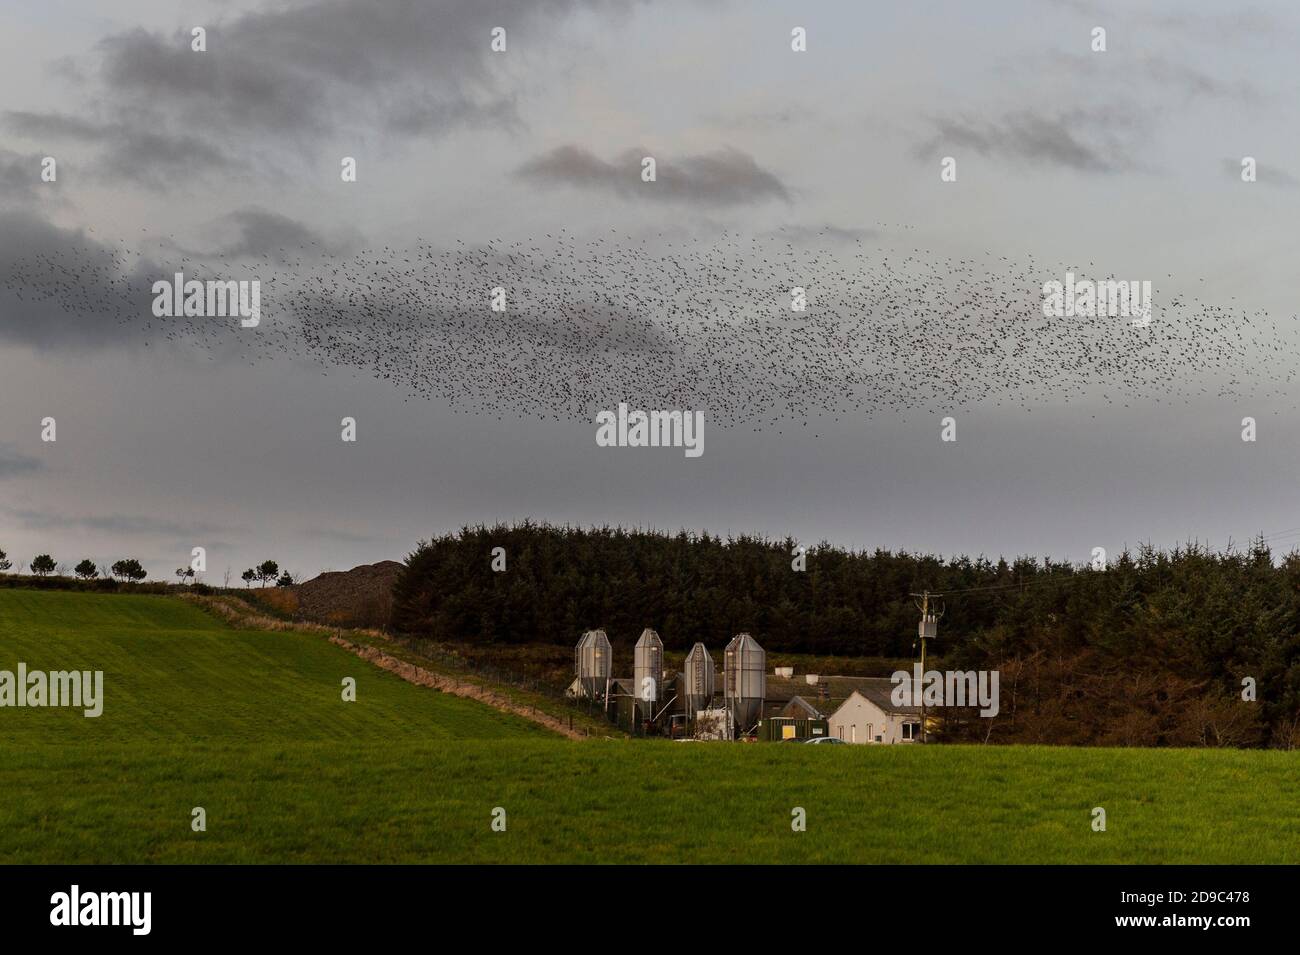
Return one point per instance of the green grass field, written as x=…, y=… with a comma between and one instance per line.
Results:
x=250, y=726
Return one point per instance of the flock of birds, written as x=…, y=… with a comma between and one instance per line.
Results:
x=662, y=323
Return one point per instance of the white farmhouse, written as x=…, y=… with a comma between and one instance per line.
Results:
x=868, y=715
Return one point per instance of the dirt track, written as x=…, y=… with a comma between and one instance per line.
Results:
x=422, y=677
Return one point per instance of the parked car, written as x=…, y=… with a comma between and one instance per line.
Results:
x=827, y=739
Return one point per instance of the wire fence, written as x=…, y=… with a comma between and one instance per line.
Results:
x=504, y=676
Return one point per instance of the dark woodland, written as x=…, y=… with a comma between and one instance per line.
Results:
x=1151, y=651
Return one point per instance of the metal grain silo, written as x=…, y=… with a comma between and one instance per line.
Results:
x=698, y=673
x=592, y=662
x=744, y=677
x=647, y=670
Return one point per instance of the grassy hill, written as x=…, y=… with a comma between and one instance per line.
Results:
x=250, y=726
x=172, y=672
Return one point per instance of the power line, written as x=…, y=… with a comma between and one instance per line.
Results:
x=1057, y=578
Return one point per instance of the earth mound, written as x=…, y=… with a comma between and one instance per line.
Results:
x=360, y=597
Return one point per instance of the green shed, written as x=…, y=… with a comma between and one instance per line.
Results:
x=777, y=729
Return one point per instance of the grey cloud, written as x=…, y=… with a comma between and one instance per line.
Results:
x=1079, y=6
x=343, y=537
x=157, y=160
x=726, y=177
x=1233, y=23
x=813, y=235
x=64, y=289
x=1241, y=23
x=58, y=286
x=53, y=125
x=402, y=67
x=422, y=118
x=259, y=232
x=68, y=69
x=417, y=65
x=1148, y=72
x=1268, y=175
x=13, y=463
x=144, y=525
x=228, y=84
x=1082, y=140
x=19, y=177
x=1196, y=82
x=134, y=148
x=760, y=119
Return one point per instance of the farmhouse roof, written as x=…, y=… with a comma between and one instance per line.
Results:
x=873, y=688
x=798, y=706
x=879, y=692
x=837, y=687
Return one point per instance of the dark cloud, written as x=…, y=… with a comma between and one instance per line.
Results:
x=165, y=113
x=1082, y=140
x=133, y=149
x=261, y=233
x=726, y=177
x=1192, y=81
x=14, y=462
x=20, y=177
x=114, y=524
x=420, y=118
x=410, y=64
x=62, y=287
x=157, y=159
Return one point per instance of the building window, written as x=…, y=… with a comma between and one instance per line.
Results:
x=911, y=731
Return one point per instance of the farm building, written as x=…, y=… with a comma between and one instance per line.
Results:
x=858, y=709
x=776, y=706
x=816, y=693
x=869, y=715
x=780, y=729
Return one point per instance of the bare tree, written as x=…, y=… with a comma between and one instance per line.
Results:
x=1287, y=734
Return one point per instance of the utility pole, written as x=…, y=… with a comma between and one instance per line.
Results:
x=928, y=629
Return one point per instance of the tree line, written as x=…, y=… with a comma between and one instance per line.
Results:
x=130, y=570
x=43, y=565
x=559, y=581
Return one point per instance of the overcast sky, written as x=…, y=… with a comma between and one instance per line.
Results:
x=1129, y=160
